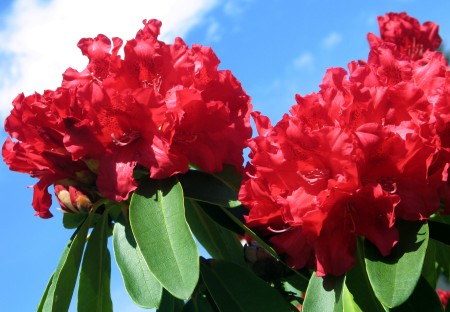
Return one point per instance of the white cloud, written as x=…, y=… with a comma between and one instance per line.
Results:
x=232, y=8
x=213, y=31
x=304, y=61
x=39, y=40
x=236, y=8
x=332, y=40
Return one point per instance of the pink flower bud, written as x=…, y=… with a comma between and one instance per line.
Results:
x=71, y=199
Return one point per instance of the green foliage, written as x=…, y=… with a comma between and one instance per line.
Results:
x=159, y=225
x=44, y=295
x=394, y=277
x=234, y=288
x=358, y=285
x=417, y=302
x=73, y=220
x=63, y=282
x=94, y=284
x=218, y=241
x=158, y=258
x=170, y=303
x=208, y=188
x=143, y=288
x=324, y=294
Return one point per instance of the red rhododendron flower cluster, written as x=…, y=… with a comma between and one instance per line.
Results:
x=162, y=107
x=370, y=147
x=411, y=38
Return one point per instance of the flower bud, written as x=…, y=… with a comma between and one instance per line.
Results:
x=71, y=199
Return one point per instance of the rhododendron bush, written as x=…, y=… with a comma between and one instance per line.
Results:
x=342, y=205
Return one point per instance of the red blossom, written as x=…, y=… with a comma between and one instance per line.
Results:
x=71, y=199
x=444, y=295
x=162, y=107
x=406, y=32
x=368, y=148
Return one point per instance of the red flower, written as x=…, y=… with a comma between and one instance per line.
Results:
x=161, y=107
x=71, y=199
x=444, y=295
x=350, y=159
x=303, y=191
x=36, y=145
x=411, y=38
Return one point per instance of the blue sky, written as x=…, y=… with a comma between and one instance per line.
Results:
x=275, y=48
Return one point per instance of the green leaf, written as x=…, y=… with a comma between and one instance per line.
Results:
x=424, y=298
x=63, y=282
x=159, y=226
x=170, y=304
x=357, y=283
x=218, y=241
x=234, y=288
x=439, y=231
x=302, y=281
x=143, y=288
x=94, y=285
x=438, y=217
x=44, y=295
x=200, y=303
x=73, y=220
x=220, y=217
x=230, y=176
x=443, y=258
x=252, y=234
x=348, y=301
x=323, y=294
x=394, y=277
x=430, y=269
x=205, y=187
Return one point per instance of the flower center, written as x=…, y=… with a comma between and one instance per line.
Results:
x=126, y=138
x=315, y=176
x=182, y=136
x=388, y=184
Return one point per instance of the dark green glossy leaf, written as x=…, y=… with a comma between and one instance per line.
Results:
x=430, y=270
x=65, y=276
x=358, y=285
x=348, y=303
x=159, y=226
x=141, y=285
x=218, y=241
x=190, y=306
x=200, y=304
x=443, y=258
x=73, y=220
x=201, y=301
x=393, y=278
x=115, y=211
x=423, y=298
x=234, y=288
x=324, y=294
x=170, y=304
x=44, y=295
x=302, y=281
x=94, y=284
x=291, y=293
x=230, y=176
x=208, y=188
x=439, y=231
x=438, y=217
x=219, y=216
x=252, y=234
